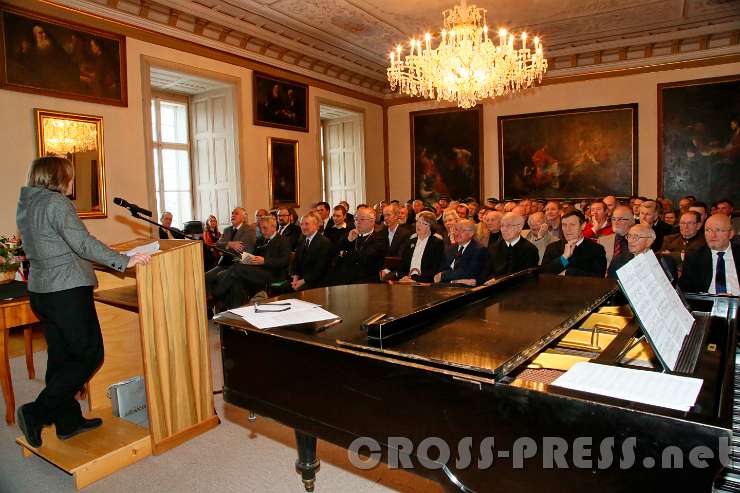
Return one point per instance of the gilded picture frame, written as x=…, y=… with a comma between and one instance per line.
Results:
x=78, y=138
x=283, y=172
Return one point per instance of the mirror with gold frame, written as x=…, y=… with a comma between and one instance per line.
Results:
x=79, y=138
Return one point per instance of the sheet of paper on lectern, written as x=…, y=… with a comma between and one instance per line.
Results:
x=647, y=387
x=657, y=305
x=148, y=248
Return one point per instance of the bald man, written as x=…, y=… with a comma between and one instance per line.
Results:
x=713, y=268
x=512, y=253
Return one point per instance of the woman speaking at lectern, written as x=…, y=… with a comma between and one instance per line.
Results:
x=60, y=285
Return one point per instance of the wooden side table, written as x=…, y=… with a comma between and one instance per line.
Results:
x=14, y=313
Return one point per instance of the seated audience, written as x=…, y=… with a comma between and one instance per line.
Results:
x=538, y=234
x=257, y=215
x=611, y=204
x=361, y=253
x=703, y=211
x=512, y=253
x=467, y=259
x=164, y=234
x=669, y=217
x=640, y=240
x=687, y=240
x=396, y=234
x=616, y=243
x=574, y=255
x=211, y=235
x=350, y=219
x=685, y=202
x=422, y=255
x=323, y=208
x=636, y=203
x=312, y=255
x=269, y=264
x=599, y=224
x=462, y=211
x=339, y=227
x=237, y=238
x=286, y=226
x=713, y=268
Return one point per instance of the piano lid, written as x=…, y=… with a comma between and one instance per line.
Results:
x=497, y=332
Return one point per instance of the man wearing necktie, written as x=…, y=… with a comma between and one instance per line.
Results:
x=286, y=226
x=713, y=268
x=468, y=260
x=361, y=253
x=615, y=244
x=312, y=255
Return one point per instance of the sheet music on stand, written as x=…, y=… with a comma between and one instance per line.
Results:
x=663, y=316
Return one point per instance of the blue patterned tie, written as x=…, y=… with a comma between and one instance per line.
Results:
x=720, y=280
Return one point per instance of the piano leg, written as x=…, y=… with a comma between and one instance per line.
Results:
x=307, y=463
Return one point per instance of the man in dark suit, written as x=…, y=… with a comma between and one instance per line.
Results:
x=640, y=239
x=715, y=267
x=396, y=234
x=287, y=228
x=650, y=215
x=165, y=234
x=574, y=255
x=512, y=253
x=268, y=264
x=361, y=253
x=466, y=259
x=324, y=211
x=688, y=240
x=312, y=255
x=339, y=228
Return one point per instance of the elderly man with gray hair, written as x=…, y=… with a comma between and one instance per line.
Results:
x=539, y=233
x=466, y=259
x=639, y=240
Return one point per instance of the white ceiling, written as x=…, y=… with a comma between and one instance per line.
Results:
x=347, y=41
x=172, y=81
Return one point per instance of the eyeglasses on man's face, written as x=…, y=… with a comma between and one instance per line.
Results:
x=717, y=230
x=634, y=237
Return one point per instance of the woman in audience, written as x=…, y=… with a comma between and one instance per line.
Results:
x=60, y=285
x=423, y=253
x=211, y=235
x=449, y=219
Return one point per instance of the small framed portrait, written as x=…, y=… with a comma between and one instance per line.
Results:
x=42, y=55
x=578, y=153
x=280, y=103
x=282, y=160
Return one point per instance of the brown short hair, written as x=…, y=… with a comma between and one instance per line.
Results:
x=50, y=172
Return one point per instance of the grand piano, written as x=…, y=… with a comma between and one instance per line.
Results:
x=472, y=368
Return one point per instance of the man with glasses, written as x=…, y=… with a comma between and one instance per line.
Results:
x=616, y=243
x=513, y=253
x=639, y=240
x=713, y=268
x=574, y=255
x=286, y=226
x=361, y=253
x=466, y=259
x=687, y=240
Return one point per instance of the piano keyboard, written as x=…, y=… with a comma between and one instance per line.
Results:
x=729, y=480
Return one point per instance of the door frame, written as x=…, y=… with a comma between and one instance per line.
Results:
x=355, y=109
x=147, y=62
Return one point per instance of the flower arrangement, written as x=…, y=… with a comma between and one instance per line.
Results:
x=11, y=254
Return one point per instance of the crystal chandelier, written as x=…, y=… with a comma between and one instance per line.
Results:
x=63, y=137
x=467, y=66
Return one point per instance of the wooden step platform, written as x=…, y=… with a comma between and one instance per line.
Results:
x=94, y=454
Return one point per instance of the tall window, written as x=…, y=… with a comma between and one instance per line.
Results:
x=172, y=159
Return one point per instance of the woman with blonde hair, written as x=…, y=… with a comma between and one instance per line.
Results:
x=60, y=285
x=449, y=219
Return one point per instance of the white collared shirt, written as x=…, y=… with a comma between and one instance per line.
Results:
x=418, y=254
x=731, y=281
x=452, y=265
x=513, y=242
x=310, y=238
x=391, y=233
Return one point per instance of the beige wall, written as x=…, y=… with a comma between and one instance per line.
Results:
x=126, y=170
x=640, y=88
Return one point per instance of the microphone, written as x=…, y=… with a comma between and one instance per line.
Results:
x=135, y=209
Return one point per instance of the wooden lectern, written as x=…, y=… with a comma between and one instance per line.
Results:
x=154, y=324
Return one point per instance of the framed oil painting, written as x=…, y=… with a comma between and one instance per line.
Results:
x=51, y=57
x=699, y=139
x=78, y=138
x=280, y=103
x=578, y=153
x=447, y=153
x=282, y=159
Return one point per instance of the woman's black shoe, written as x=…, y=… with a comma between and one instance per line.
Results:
x=85, y=425
x=31, y=430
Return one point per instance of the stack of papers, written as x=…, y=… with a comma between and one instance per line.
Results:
x=299, y=312
x=148, y=248
x=647, y=387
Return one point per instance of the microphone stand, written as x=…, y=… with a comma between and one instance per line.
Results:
x=183, y=234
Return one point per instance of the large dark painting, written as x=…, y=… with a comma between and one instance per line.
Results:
x=51, y=57
x=699, y=139
x=280, y=103
x=282, y=157
x=447, y=153
x=580, y=153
